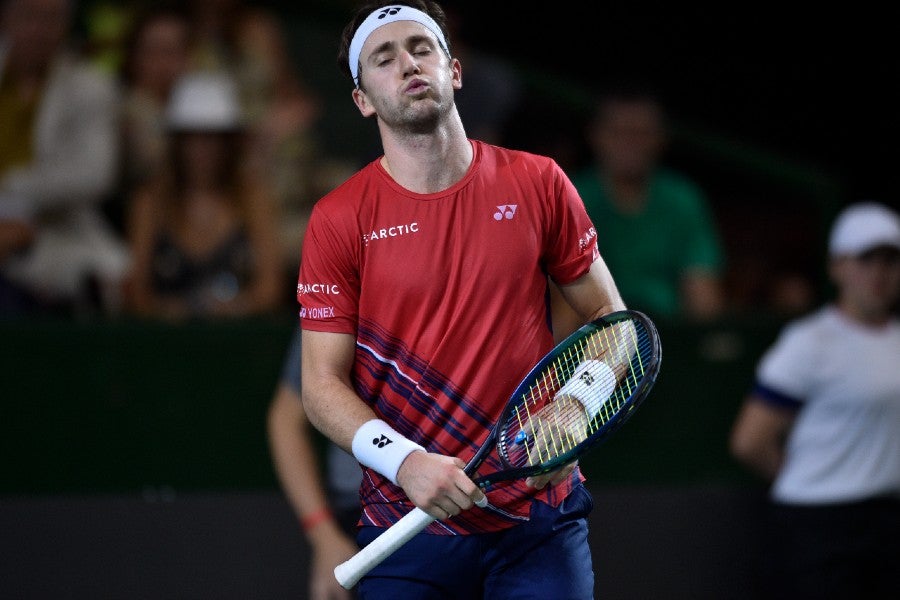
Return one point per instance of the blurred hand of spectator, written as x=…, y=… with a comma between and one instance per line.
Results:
x=14, y=235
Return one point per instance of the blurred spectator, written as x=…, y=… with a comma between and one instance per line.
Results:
x=281, y=112
x=822, y=424
x=58, y=148
x=654, y=225
x=203, y=233
x=155, y=56
x=327, y=514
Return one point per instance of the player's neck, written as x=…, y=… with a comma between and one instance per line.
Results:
x=427, y=163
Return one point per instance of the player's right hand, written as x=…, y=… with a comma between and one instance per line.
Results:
x=438, y=484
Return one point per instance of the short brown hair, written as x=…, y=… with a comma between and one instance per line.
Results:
x=429, y=7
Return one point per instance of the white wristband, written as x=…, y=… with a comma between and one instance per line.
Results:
x=378, y=446
x=592, y=384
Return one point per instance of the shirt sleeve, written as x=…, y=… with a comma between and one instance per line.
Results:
x=328, y=285
x=571, y=245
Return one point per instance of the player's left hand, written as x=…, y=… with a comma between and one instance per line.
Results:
x=557, y=428
x=554, y=430
x=539, y=482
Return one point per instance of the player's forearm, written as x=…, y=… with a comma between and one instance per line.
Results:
x=330, y=402
x=335, y=410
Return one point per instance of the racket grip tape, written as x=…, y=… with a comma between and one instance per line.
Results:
x=349, y=572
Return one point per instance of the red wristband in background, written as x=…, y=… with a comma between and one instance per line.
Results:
x=314, y=518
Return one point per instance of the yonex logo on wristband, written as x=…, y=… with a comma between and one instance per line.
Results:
x=587, y=378
x=374, y=448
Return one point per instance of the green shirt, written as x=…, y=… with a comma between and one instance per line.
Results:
x=648, y=251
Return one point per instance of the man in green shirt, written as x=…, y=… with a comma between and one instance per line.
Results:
x=655, y=229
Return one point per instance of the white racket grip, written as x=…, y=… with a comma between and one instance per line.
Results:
x=349, y=572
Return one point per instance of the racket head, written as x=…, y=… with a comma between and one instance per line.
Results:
x=582, y=391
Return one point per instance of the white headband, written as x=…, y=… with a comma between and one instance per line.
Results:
x=383, y=16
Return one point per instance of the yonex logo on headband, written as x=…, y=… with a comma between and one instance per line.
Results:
x=383, y=16
x=390, y=10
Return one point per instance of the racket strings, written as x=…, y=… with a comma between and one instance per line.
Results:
x=577, y=395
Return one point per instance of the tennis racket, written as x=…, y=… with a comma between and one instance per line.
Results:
x=575, y=397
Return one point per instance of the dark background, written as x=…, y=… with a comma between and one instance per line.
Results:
x=818, y=85
x=814, y=86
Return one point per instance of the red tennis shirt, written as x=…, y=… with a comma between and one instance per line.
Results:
x=446, y=294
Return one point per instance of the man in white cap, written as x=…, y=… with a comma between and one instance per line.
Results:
x=424, y=301
x=822, y=424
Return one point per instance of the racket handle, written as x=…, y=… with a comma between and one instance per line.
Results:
x=349, y=572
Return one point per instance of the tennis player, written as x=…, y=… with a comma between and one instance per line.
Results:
x=822, y=424
x=424, y=300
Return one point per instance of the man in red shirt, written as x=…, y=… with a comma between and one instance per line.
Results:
x=424, y=301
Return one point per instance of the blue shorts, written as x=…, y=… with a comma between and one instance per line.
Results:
x=545, y=557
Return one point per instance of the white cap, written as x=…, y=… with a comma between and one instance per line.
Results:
x=205, y=101
x=862, y=227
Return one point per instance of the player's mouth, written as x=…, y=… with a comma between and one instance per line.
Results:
x=415, y=87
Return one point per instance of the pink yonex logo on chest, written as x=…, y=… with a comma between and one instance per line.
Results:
x=505, y=211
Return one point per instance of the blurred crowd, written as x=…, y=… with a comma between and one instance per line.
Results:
x=156, y=159
x=160, y=159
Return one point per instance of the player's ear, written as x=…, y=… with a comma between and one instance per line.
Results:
x=361, y=100
x=456, y=73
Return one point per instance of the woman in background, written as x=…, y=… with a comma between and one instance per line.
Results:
x=202, y=233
